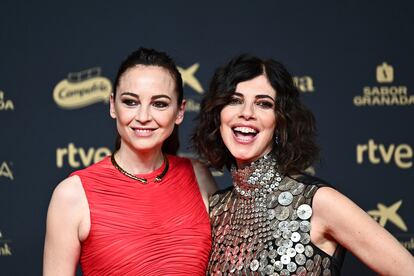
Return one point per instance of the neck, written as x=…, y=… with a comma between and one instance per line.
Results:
x=257, y=178
x=138, y=162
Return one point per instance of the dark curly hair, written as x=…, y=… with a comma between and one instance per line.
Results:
x=296, y=149
x=151, y=57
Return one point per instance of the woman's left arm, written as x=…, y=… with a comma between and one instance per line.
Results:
x=354, y=229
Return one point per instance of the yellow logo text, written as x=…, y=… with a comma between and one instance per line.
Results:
x=304, y=83
x=402, y=154
x=5, y=104
x=384, y=214
x=77, y=157
x=5, y=171
x=82, y=88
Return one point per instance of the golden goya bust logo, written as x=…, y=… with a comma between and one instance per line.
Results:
x=82, y=88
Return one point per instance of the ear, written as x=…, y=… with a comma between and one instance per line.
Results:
x=181, y=111
x=112, y=112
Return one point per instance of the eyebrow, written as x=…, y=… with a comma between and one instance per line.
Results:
x=153, y=97
x=260, y=96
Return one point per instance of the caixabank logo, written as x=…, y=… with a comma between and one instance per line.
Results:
x=400, y=155
x=82, y=88
x=5, y=249
x=5, y=104
x=388, y=215
x=79, y=157
x=190, y=79
x=5, y=170
x=386, y=92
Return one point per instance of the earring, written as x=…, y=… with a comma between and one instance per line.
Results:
x=277, y=138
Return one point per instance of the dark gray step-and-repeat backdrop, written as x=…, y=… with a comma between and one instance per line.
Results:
x=352, y=60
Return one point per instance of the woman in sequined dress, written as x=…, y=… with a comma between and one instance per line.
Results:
x=276, y=220
x=142, y=210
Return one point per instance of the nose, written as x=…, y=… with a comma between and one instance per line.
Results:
x=247, y=111
x=143, y=114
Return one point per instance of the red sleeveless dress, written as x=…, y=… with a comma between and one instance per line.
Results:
x=145, y=229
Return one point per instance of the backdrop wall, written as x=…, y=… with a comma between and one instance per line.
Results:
x=352, y=61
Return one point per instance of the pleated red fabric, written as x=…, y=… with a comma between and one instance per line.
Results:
x=145, y=229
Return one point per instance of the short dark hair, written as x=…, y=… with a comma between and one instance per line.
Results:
x=296, y=149
x=151, y=57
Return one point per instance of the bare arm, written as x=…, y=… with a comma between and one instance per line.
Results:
x=352, y=227
x=205, y=181
x=64, y=228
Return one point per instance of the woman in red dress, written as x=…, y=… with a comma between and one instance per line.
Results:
x=141, y=211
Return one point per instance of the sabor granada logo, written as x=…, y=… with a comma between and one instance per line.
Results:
x=5, y=249
x=383, y=94
x=5, y=104
x=82, y=88
x=5, y=171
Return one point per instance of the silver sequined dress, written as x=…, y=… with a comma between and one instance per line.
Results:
x=262, y=226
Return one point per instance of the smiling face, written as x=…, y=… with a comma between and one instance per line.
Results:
x=145, y=107
x=248, y=121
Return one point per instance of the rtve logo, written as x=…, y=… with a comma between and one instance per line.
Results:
x=79, y=157
x=401, y=154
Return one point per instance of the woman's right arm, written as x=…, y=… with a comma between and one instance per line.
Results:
x=65, y=220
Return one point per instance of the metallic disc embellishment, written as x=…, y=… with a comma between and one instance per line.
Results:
x=284, y=272
x=300, y=259
x=285, y=259
x=282, y=212
x=326, y=262
x=254, y=265
x=291, y=252
x=326, y=272
x=304, y=211
x=269, y=269
x=301, y=271
x=305, y=238
x=317, y=259
x=295, y=237
x=278, y=266
x=291, y=267
x=308, y=251
x=300, y=248
x=214, y=200
x=309, y=265
x=298, y=188
x=285, y=198
x=294, y=225
x=305, y=226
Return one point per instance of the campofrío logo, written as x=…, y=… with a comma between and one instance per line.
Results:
x=82, y=88
x=5, y=104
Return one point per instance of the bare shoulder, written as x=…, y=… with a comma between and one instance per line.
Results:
x=68, y=192
x=205, y=180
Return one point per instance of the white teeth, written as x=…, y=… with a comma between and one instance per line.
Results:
x=143, y=130
x=245, y=130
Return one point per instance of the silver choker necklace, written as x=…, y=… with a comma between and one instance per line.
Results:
x=257, y=179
